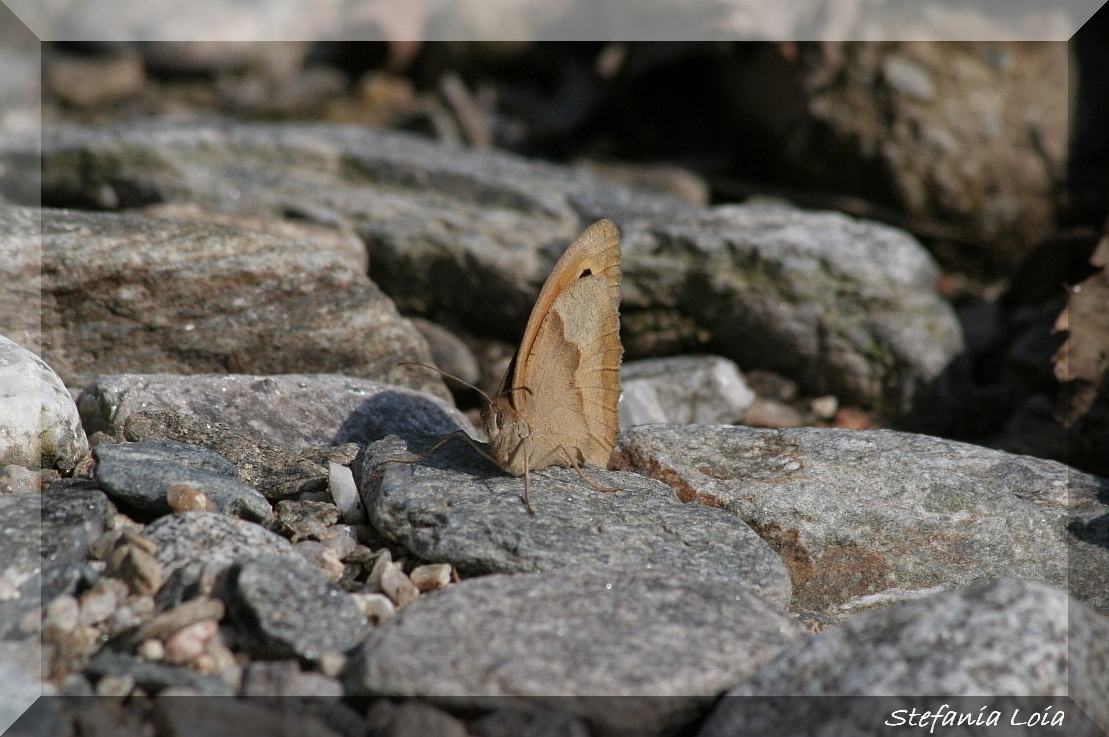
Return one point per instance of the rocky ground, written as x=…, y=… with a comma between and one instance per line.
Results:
x=203, y=317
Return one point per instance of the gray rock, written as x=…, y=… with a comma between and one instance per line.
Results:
x=191, y=717
x=276, y=472
x=40, y=426
x=455, y=507
x=305, y=520
x=122, y=292
x=155, y=677
x=19, y=480
x=683, y=390
x=293, y=411
x=449, y=353
x=20, y=564
x=580, y=632
x=1003, y=638
x=843, y=306
x=213, y=539
x=74, y=515
x=44, y=540
x=870, y=517
x=20, y=668
x=284, y=610
x=138, y=475
x=411, y=719
x=285, y=678
x=535, y=723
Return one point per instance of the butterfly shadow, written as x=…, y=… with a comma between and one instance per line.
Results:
x=431, y=435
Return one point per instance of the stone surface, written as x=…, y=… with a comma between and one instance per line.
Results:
x=848, y=306
x=285, y=610
x=125, y=293
x=19, y=672
x=411, y=718
x=455, y=507
x=278, y=473
x=292, y=411
x=704, y=390
x=582, y=631
x=138, y=475
x=154, y=677
x=1003, y=638
x=190, y=717
x=868, y=517
x=842, y=306
x=41, y=428
x=216, y=540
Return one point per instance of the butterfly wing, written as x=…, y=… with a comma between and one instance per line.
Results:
x=595, y=252
x=562, y=388
x=574, y=373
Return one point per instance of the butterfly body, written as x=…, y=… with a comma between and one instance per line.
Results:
x=558, y=401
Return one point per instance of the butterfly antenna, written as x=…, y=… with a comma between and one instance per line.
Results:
x=449, y=375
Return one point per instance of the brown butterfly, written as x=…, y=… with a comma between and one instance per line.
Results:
x=557, y=404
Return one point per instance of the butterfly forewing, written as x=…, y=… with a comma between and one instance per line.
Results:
x=561, y=391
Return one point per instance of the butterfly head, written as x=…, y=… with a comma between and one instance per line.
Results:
x=507, y=432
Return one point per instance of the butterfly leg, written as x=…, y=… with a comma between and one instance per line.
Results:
x=573, y=463
x=527, y=480
x=443, y=441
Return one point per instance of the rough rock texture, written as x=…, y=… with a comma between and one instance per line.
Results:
x=291, y=411
x=585, y=631
x=682, y=390
x=842, y=306
x=870, y=517
x=213, y=539
x=154, y=677
x=278, y=473
x=189, y=717
x=968, y=135
x=279, y=607
x=39, y=420
x=456, y=507
x=138, y=475
x=154, y=295
x=850, y=305
x=1004, y=638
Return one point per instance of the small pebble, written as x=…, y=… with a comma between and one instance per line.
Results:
x=60, y=617
x=344, y=492
x=384, y=559
x=192, y=611
x=322, y=558
x=825, y=407
x=115, y=686
x=431, y=577
x=152, y=650
x=185, y=498
x=217, y=658
x=331, y=664
x=341, y=540
x=136, y=566
x=186, y=644
x=772, y=413
x=376, y=607
x=398, y=586
x=97, y=604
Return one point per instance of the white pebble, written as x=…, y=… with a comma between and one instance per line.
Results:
x=398, y=586
x=344, y=492
x=187, y=643
x=430, y=577
x=376, y=607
